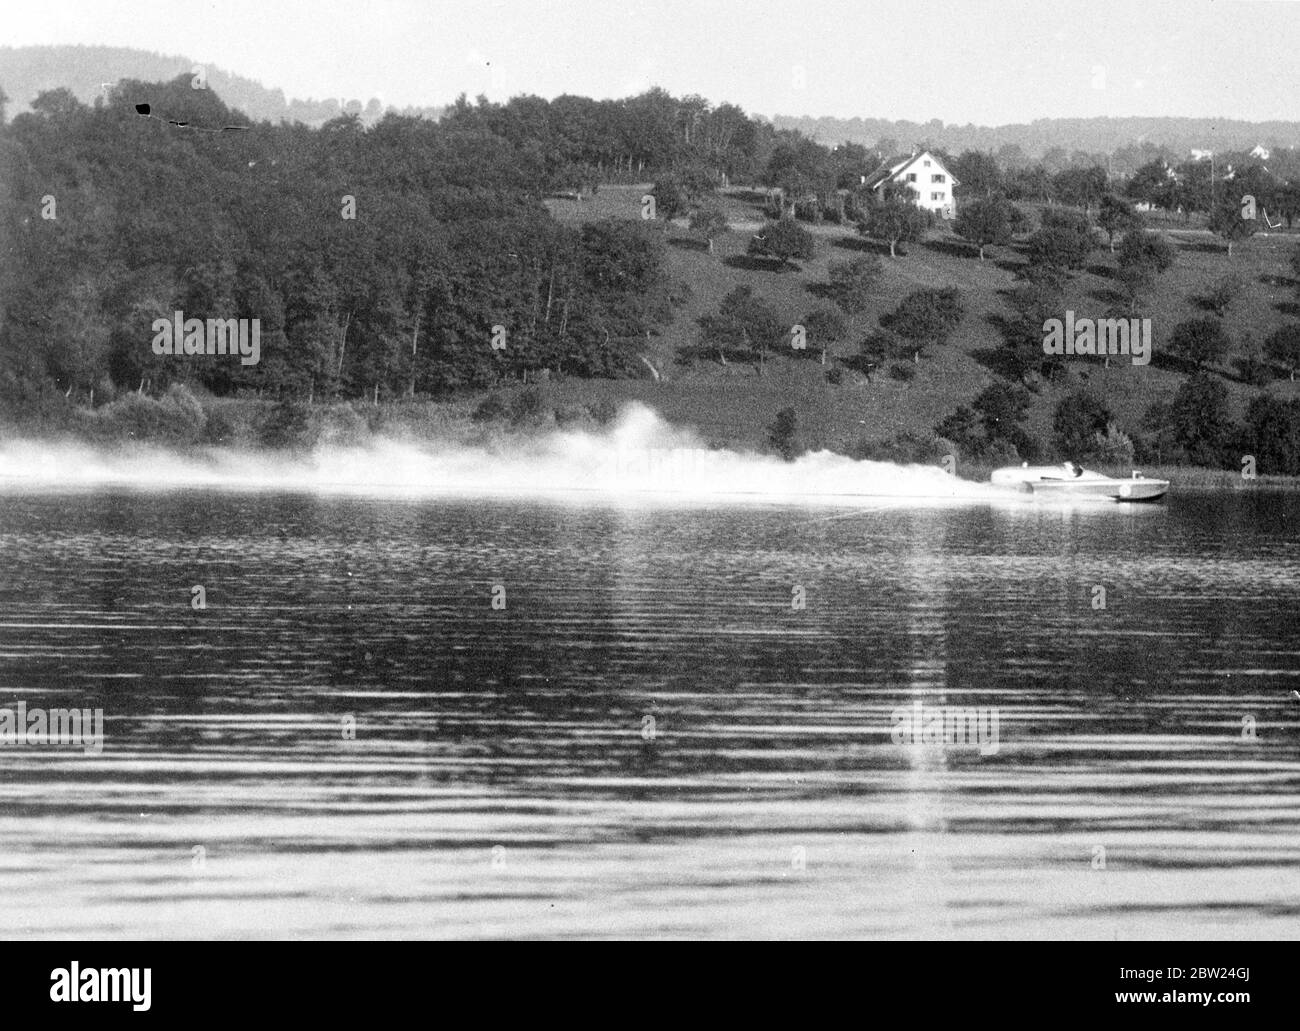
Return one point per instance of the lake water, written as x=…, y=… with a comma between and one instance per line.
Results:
x=651, y=737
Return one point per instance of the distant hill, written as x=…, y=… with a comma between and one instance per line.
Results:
x=26, y=72
x=1092, y=135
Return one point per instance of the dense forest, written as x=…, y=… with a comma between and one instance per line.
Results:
x=380, y=262
x=410, y=257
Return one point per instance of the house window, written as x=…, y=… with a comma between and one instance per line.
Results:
x=938, y=178
x=927, y=164
x=936, y=196
x=911, y=177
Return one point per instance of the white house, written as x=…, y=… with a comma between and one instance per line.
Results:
x=924, y=175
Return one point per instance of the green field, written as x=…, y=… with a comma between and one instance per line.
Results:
x=734, y=405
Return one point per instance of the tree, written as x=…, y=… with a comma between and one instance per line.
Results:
x=1143, y=256
x=1152, y=184
x=924, y=317
x=1283, y=347
x=881, y=346
x=1064, y=240
x=709, y=221
x=1199, y=341
x=783, y=239
x=978, y=174
x=852, y=282
x=1226, y=222
x=1002, y=406
x=894, y=222
x=824, y=326
x=1273, y=433
x=1251, y=365
x=1198, y=424
x=1082, y=187
x=671, y=197
x=986, y=221
x=1117, y=216
x=962, y=427
x=744, y=327
x=1146, y=248
x=1078, y=416
x=1033, y=301
x=783, y=434
x=1222, y=293
x=1002, y=410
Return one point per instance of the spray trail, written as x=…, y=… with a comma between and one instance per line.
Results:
x=639, y=456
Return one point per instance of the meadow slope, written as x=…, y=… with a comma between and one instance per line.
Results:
x=735, y=404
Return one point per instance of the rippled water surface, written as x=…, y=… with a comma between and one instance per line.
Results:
x=650, y=738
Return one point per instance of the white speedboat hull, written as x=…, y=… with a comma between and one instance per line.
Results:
x=1067, y=481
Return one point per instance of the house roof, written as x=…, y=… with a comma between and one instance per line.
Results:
x=895, y=166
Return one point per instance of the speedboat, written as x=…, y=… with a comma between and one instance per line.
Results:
x=1068, y=480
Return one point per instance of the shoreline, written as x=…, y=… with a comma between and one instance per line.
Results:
x=214, y=442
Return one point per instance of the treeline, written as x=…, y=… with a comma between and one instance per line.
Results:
x=1060, y=141
x=409, y=258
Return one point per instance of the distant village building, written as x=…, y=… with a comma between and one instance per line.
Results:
x=1260, y=151
x=924, y=175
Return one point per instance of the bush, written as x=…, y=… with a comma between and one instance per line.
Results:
x=1147, y=249
x=491, y=409
x=182, y=409
x=783, y=240
x=343, y=425
x=783, y=434
x=221, y=428
x=289, y=425
x=527, y=406
x=176, y=418
x=808, y=211
x=904, y=371
x=835, y=375
x=603, y=412
x=908, y=448
x=1113, y=447
x=1059, y=247
x=572, y=416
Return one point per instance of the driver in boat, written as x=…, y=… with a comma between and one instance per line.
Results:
x=1071, y=469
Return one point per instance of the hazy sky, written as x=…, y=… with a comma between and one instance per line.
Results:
x=985, y=62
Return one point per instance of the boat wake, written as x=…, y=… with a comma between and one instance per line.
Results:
x=639, y=456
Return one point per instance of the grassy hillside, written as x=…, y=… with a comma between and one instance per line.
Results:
x=734, y=405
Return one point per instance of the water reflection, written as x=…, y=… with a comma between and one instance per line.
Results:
x=653, y=737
